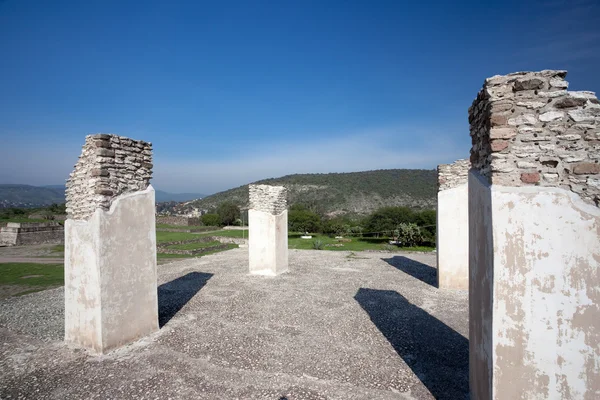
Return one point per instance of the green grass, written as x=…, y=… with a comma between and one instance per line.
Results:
x=357, y=244
x=50, y=275
x=188, y=228
x=162, y=237
x=194, y=246
x=162, y=256
x=59, y=248
x=237, y=233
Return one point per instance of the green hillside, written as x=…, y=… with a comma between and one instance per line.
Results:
x=345, y=193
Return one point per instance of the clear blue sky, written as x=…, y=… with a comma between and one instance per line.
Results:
x=232, y=92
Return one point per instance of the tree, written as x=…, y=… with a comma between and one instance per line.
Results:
x=211, y=219
x=228, y=212
x=387, y=219
x=408, y=234
x=300, y=219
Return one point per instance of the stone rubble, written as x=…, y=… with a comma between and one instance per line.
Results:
x=453, y=175
x=267, y=198
x=109, y=165
x=527, y=129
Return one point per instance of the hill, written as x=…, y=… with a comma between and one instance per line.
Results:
x=26, y=196
x=30, y=196
x=344, y=193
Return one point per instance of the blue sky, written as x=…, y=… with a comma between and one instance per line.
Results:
x=235, y=91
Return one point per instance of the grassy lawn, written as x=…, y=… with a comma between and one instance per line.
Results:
x=356, y=244
x=33, y=277
x=194, y=246
x=188, y=228
x=237, y=233
x=162, y=237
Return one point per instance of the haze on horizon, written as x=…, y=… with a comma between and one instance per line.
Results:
x=236, y=92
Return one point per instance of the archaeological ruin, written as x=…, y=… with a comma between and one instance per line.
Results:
x=28, y=233
x=268, y=228
x=452, y=241
x=534, y=224
x=110, y=245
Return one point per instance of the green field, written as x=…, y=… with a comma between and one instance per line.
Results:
x=162, y=237
x=237, y=233
x=33, y=277
x=194, y=246
x=188, y=228
x=355, y=244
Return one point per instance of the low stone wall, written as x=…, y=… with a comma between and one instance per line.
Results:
x=224, y=239
x=178, y=220
x=23, y=234
x=164, y=247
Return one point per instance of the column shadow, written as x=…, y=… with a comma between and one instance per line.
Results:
x=436, y=353
x=172, y=296
x=414, y=268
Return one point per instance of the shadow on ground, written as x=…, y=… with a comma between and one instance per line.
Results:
x=436, y=353
x=172, y=296
x=414, y=268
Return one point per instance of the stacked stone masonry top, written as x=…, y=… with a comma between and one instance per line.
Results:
x=527, y=129
x=270, y=199
x=109, y=165
x=453, y=175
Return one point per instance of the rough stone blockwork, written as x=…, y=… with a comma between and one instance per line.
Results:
x=270, y=199
x=108, y=166
x=527, y=129
x=453, y=175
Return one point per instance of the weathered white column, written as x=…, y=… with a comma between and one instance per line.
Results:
x=534, y=233
x=110, y=245
x=452, y=241
x=268, y=225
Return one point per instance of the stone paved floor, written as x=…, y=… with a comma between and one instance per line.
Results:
x=338, y=326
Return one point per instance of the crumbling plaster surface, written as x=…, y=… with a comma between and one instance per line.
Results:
x=546, y=294
x=110, y=274
x=542, y=277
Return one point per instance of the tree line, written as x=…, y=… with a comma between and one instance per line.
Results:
x=407, y=226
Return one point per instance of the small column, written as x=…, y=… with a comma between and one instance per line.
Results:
x=110, y=245
x=453, y=226
x=268, y=224
x=534, y=239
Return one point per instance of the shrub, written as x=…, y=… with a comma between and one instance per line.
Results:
x=211, y=219
x=409, y=234
x=318, y=244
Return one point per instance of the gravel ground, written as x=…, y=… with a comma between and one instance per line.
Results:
x=369, y=326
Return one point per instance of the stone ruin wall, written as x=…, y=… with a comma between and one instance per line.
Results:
x=269, y=199
x=109, y=165
x=453, y=175
x=22, y=234
x=527, y=129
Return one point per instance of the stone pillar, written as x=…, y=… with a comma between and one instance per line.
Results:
x=268, y=224
x=534, y=226
x=110, y=245
x=453, y=226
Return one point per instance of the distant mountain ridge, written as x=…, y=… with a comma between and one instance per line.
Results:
x=343, y=193
x=17, y=195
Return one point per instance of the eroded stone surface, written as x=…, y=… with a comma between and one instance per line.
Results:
x=109, y=165
x=453, y=175
x=526, y=129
